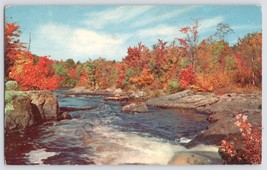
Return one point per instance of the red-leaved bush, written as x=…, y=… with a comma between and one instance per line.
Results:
x=244, y=149
x=187, y=77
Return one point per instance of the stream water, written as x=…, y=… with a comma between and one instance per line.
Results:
x=105, y=135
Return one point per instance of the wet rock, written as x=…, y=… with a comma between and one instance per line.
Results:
x=117, y=98
x=46, y=103
x=185, y=100
x=70, y=109
x=135, y=108
x=66, y=116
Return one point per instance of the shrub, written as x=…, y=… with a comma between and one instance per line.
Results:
x=173, y=86
x=246, y=149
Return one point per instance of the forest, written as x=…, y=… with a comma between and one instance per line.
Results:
x=211, y=64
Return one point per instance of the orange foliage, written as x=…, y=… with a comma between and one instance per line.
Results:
x=83, y=79
x=37, y=76
x=144, y=80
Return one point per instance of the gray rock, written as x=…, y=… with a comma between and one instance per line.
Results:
x=223, y=117
x=185, y=100
x=135, y=108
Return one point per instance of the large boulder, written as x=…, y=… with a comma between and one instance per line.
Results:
x=30, y=108
x=185, y=100
x=135, y=108
x=18, y=111
x=46, y=103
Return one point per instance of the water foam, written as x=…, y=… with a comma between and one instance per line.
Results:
x=39, y=155
x=118, y=147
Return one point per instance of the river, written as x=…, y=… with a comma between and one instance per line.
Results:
x=105, y=135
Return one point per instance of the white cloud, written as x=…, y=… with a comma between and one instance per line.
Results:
x=160, y=31
x=117, y=15
x=62, y=42
x=161, y=16
x=207, y=24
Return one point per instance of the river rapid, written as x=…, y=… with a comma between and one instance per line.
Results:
x=105, y=135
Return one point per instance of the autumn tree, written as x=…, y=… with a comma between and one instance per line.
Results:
x=36, y=75
x=249, y=56
x=12, y=45
x=190, y=42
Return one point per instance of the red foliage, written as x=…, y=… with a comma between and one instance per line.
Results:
x=72, y=73
x=37, y=76
x=251, y=143
x=83, y=80
x=121, y=74
x=12, y=45
x=138, y=57
x=187, y=77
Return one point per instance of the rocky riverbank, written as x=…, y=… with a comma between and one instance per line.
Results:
x=221, y=111
x=25, y=109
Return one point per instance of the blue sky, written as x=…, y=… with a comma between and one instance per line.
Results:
x=83, y=32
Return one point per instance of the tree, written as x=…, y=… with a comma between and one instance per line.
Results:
x=222, y=31
x=249, y=56
x=190, y=42
x=39, y=76
x=12, y=45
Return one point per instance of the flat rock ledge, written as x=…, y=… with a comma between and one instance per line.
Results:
x=184, y=100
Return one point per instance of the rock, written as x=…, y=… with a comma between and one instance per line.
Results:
x=70, y=109
x=185, y=100
x=234, y=103
x=117, y=91
x=187, y=158
x=138, y=94
x=18, y=111
x=11, y=85
x=118, y=98
x=135, y=108
x=66, y=115
x=25, y=109
x=46, y=103
x=223, y=117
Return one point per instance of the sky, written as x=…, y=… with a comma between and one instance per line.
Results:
x=90, y=32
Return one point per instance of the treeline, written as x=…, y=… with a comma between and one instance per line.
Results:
x=207, y=65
